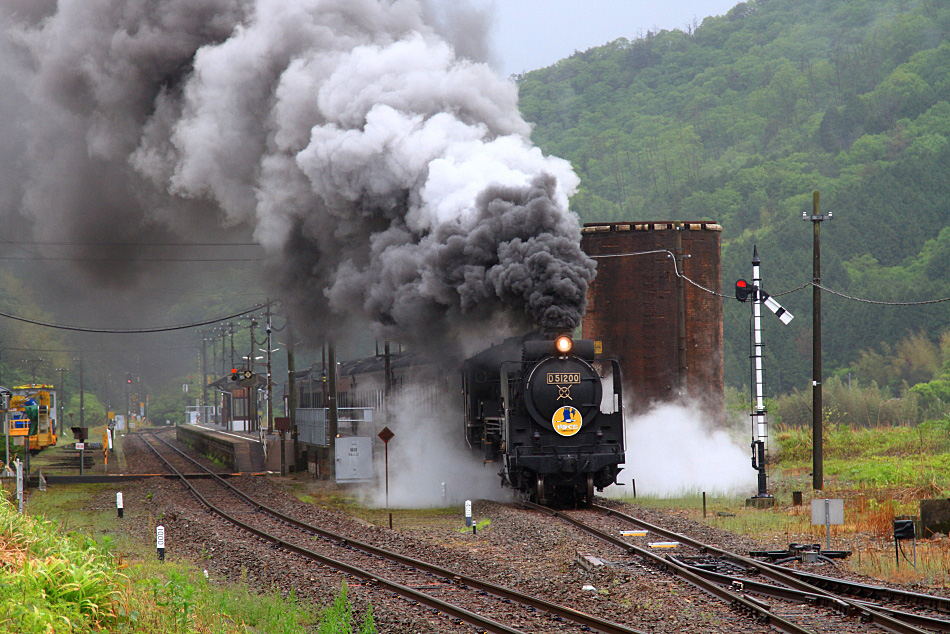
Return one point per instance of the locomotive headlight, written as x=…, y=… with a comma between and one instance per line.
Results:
x=563, y=344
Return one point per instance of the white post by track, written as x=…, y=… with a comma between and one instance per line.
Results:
x=19, y=484
x=160, y=541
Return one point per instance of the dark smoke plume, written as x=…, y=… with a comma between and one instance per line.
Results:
x=384, y=167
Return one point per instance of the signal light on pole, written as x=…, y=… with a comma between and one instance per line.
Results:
x=743, y=290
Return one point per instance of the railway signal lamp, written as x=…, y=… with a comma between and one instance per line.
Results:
x=563, y=344
x=743, y=290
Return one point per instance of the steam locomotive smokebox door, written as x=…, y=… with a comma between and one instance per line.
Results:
x=354, y=460
x=556, y=385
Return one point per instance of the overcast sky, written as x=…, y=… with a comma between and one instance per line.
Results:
x=531, y=34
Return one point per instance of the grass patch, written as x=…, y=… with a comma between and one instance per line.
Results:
x=888, y=456
x=176, y=597
x=53, y=582
x=338, y=617
x=72, y=569
x=882, y=473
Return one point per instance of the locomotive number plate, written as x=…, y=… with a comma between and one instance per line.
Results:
x=555, y=378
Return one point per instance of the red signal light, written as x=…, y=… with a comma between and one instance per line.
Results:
x=743, y=290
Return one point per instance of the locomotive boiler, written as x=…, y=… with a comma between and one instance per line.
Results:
x=549, y=413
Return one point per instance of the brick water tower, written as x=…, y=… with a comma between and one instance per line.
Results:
x=664, y=330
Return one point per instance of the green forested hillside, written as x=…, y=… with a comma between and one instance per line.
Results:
x=740, y=120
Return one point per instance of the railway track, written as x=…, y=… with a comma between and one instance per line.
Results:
x=445, y=593
x=802, y=602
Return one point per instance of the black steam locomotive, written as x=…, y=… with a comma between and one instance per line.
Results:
x=542, y=407
x=550, y=413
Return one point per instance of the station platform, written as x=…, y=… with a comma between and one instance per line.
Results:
x=238, y=451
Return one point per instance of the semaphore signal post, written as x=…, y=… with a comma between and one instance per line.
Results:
x=760, y=430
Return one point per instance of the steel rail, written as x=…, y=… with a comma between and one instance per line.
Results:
x=868, y=591
x=774, y=573
x=564, y=612
x=754, y=608
x=399, y=589
x=834, y=603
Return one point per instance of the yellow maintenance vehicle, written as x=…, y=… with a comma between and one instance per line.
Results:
x=32, y=414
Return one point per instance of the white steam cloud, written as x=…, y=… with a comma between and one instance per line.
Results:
x=389, y=176
x=671, y=450
x=429, y=466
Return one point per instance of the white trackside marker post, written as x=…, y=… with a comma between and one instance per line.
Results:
x=118, y=503
x=19, y=483
x=160, y=541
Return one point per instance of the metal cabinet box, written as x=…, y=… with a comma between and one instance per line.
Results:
x=354, y=459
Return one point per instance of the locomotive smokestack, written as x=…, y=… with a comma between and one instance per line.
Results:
x=388, y=177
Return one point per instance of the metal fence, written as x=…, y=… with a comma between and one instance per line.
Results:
x=351, y=421
x=202, y=415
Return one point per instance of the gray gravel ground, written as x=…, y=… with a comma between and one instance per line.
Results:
x=523, y=550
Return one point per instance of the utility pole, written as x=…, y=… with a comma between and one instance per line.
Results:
x=224, y=337
x=231, y=333
x=268, y=328
x=251, y=391
x=62, y=396
x=204, y=372
x=816, y=406
x=33, y=363
x=292, y=388
x=388, y=378
x=214, y=352
x=82, y=397
x=333, y=419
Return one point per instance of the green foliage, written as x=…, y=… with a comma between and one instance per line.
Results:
x=874, y=456
x=64, y=583
x=95, y=412
x=176, y=594
x=55, y=582
x=337, y=618
x=740, y=120
x=933, y=397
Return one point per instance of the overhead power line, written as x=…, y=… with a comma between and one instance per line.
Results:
x=873, y=301
x=132, y=244
x=133, y=331
x=794, y=290
x=123, y=259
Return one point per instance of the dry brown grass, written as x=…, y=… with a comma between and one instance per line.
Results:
x=12, y=556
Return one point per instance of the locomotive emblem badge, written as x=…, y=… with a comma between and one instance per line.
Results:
x=567, y=420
